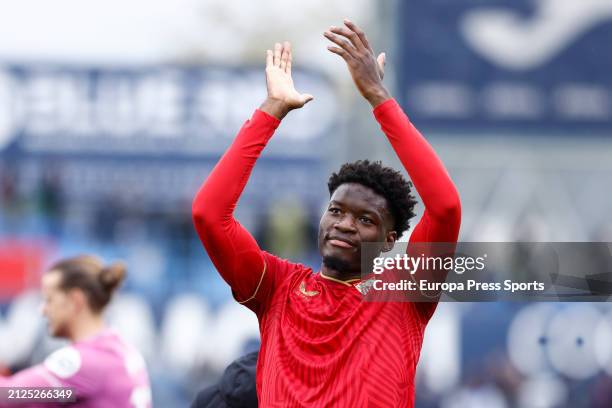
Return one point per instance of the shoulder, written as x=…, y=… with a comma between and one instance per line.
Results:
x=284, y=273
x=284, y=267
x=118, y=352
x=65, y=362
x=133, y=359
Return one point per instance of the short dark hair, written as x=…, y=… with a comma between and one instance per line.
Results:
x=385, y=181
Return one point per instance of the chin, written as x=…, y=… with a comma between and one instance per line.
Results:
x=59, y=332
x=339, y=257
x=337, y=263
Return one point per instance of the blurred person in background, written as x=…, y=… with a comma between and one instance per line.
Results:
x=322, y=345
x=11, y=204
x=100, y=368
x=51, y=199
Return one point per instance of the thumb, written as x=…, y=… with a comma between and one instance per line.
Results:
x=381, y=60
x=307, y=98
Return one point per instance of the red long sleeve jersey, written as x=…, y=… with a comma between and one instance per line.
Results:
x=322, y=346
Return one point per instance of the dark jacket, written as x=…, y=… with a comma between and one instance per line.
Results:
x=236, y=388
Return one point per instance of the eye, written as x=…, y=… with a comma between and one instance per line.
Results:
x=365, y=220
x=334, y=210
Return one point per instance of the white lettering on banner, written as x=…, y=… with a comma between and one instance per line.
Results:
x=444, y=99
x=7, y=119
x=115, y=103
x=512, y=101
x=162, y=103
x=59, y=110
x=578, y=101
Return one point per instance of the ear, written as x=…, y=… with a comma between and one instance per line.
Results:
x=78, y=299
x=389, y=241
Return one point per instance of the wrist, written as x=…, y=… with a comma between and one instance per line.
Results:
x=378, y=96
x=275, y=107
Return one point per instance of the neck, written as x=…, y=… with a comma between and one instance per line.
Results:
x=344, y=276
x=87, y=326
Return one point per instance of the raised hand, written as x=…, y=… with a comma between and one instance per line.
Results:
x=366, y=69
x=282, y=95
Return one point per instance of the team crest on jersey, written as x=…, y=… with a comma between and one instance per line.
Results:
x=365, y=286
x=308, y=293
x=65, y=362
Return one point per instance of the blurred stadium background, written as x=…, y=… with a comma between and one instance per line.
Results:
x=112, y=114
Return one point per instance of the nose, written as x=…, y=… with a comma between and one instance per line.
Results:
x=346, y=224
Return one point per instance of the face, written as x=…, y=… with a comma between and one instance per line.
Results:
x=59, y=307
x=355, y=214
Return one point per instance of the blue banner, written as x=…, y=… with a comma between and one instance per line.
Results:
x=148, y=111
x=533, y=65
x=154, y=132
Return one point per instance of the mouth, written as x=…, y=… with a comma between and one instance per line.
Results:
x=341, y=242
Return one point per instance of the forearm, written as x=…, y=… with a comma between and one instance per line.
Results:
x=423, y=165
x=228, y=244
x=442, y=217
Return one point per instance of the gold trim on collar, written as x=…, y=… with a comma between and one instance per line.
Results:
x=346, y=282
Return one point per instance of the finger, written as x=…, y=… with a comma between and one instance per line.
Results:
x=285, y=55
x=381, y=60
x=345, y=45
x=307, y=98
x=341, y=52
x=277, y=54
x=349, y=35
x=269, y=58
x=288, y=68
x=353, y=27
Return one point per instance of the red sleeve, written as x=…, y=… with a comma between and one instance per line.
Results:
x=442, y=216
x=232, y=249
